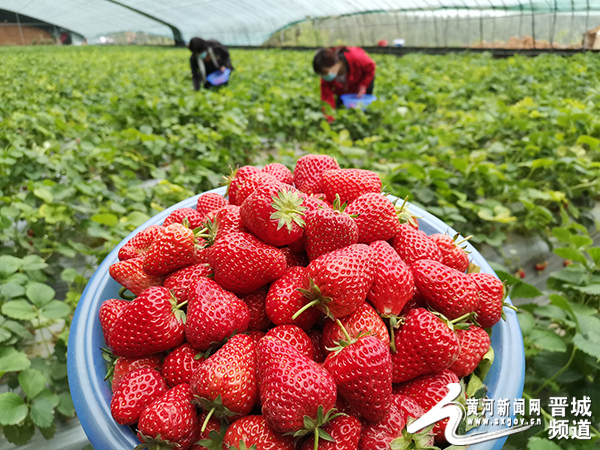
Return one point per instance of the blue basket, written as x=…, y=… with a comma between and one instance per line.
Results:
x=217, y=78
x=352, y=101
x=91, y=394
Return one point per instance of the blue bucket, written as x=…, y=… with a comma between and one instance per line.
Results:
x=91, y=394
x=216, y=78
x=352, y=101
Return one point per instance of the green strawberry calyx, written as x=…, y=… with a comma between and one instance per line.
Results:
x=288, y=209
x=315, y=297
x=460, y=323
x=229, y=178
x=423, y=440
x=111, y=359
x=315, y=425
x=176, y=308
x=215, y=439
x=155, y=443
x=404, y=215
x=395, y=322
x=124, y=295
x=242, y=446
x=347, y=341
x=214, y=407
x=338, y=206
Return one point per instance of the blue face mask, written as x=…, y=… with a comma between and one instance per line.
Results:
x=330, y=76
x=202, y=55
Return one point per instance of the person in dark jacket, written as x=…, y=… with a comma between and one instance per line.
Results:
x=208, y=56
x=344, y=70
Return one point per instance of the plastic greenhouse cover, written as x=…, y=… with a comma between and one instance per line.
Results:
x=242, y=22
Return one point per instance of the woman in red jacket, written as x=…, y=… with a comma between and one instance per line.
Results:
x=344, y=70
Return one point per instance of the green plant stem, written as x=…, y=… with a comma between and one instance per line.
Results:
x=562, y=369
x=208, y=416
x=316, y=439
x=304, y=308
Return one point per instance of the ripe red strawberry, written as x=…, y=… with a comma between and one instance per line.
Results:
x=212, y=436
x=327, y=230
x=413, y=245
x=338, y=282
x=379, y=436
x=295, y=337
x=447, y=290
x=210, y=201
x=474, y=344
x=362, y=370
x=393, y=285
x=491, y=294
x=319, y=352
x=180, y=364
x=417, y=301
x=131, y=275
x=345, y=430
x=173, y=249
x=109, y=311
x=236, y=179
x=284, y=300
x=293, y=258
x=452, y=254
x=181, y=280
x=312, y=202
x=170, y=421
x=243, y=264
x=252, y=183
x=185, y=216
x=424, y=344
x=225, y=385
x=222, y=222
x=255, y=335
x=349, y=184
x=152, y=323
x=375, y=217
x=427, y=391
x=254, y=431
x=280, y=172
x=274, y=214
x=213, y=314
x=134, y=393
x=309, y=170
x=122, y=366
x=140, y=243
x=291, y=403
x=256, y=306
x=362, y=321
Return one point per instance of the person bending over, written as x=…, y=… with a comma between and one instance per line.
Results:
x=208, y=56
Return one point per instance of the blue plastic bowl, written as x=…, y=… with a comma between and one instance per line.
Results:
x=91, y=394
x=352, y=101
x=216, y=78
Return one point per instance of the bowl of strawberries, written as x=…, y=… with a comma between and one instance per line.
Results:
x=291, y=310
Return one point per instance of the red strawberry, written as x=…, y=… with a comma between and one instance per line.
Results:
x=362, y=370
x=134, y=393
x=319, y=352
x=252, y=183
x=274, y=214
x=140, y=243
x=417, y=301
x=181, y=280
x=256, y=306
x=427, y=391
x=474, y=344
x=254, y=431
x=379, y=436
x=170, y=421
x=349, y=184
x=255, y=335
x=293, y=258
x=122, y=366
x=152, y=323
x=243, y=264
x=131, y=275
x=179, y=365
x=447, y=290
x=338, y=282
x=201, y=256
x=362, y=321
x=213, y=314
x=452, y=254
x=225, y=384
x=280, y=172
x=413, y=245
x=296, y=393
x=327, y=230
x=224, y=221
x=345, y=430
x=295, y=337
x=491, y=294
x=210, y=201
x=393, y=285
x=173, y=249
x=185, y=216
x=313, y=203
x=212, y=436
x=309, y=170
x=375, y=217
x=109, y=311
x=424, y=344
x=236, y=179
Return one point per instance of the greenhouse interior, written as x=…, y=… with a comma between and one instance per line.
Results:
x=297, y=225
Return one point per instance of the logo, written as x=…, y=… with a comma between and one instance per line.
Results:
x=447, y=408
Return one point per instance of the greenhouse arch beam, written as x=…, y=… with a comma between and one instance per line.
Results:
x=177, y=36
